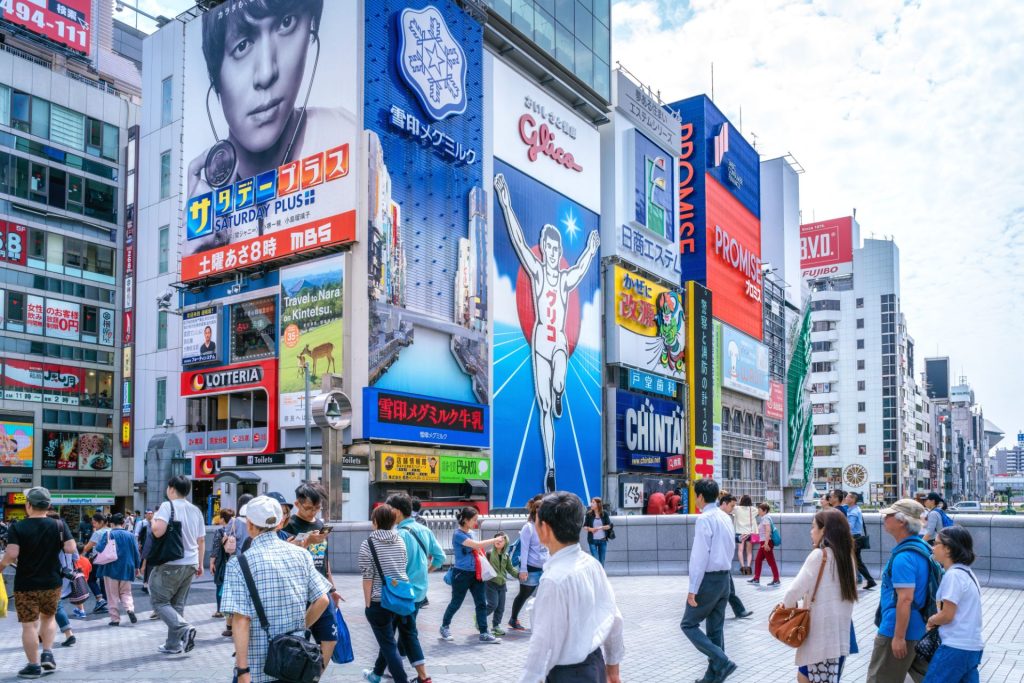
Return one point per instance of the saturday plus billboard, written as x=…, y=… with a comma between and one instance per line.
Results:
x=826, y=248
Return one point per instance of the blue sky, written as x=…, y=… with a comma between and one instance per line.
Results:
x=907, y=110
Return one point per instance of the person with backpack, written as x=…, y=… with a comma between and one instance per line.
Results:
x=909, y=583
x=766, y=551
x=959, y=618
x=119, y=572
x=220, y=555
x=496, y=589
x=937, y=518
x=532, y=555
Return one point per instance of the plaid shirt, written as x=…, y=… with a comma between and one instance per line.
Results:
x=286, y=581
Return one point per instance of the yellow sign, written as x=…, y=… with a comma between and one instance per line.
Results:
x=126, y=432
x=126, y=365
x=651, y=326
x=15, y=498
x=409, y=467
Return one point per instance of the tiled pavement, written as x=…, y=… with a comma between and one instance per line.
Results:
x=652, y=607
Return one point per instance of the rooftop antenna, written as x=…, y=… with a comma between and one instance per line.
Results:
x=855, y=213
x=712, y=81
x=754, y=136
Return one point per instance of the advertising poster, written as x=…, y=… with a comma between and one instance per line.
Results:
x=35, y=312
x=25, y=380
x=427, y=213
x=200, y=334
x=775, y=408
x=63, y=320
x=716, y=404
x=440, y=468
x=744, y=364
x=649, y=434
x=734, y=261
x=410, y=417
x=16, y=444
x=254, y=329
x=270, y=153
x=95, y=453
x=547, y=342
x=647, y=325
x=700, y=360
x=66, y=22
x=60, y=450
x=13, y=243
x=312, y=325
x=826, y=248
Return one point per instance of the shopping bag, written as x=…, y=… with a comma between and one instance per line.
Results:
x=3, y=597
x=343, y=650
x=486, y=569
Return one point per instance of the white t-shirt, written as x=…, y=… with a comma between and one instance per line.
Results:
x=960, y=587
x=193, y=527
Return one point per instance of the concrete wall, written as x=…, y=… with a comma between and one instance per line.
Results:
x=660, y=545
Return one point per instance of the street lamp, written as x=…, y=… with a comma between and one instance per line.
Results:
x=159, y=20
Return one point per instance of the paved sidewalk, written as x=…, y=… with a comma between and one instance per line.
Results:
x=655, y=648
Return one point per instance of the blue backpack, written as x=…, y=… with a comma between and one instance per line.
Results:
x=514, y=553
x=935, y=573
x=947, y=521
x=776, y=536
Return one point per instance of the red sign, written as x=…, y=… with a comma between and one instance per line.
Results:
x=674, y=462
x=127, y=327
x=826, y=248
x=425, y=412
x=27, y=381
x=734, y=260
x=62, y=21
x=207, y=466
x=229, y=379
x=775, y=408
x=13, y=243
x=333, y=230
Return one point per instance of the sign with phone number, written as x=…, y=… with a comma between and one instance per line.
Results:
x=64, y=21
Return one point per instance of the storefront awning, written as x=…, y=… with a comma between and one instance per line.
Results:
x=238, y=477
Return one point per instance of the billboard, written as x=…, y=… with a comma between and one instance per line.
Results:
x=734, y=261
x=13, y=243
x=200, y=334
x=35, y=313
x=253, y=329
x=700, y=359
x=16, y=444
x=744, y=363
x=647, y=325
x=73, y=451
x=427, y=212
x=312, y=325
x=645, y=381
x=106, y=327
x=644, y=110
x=937, y=377
x=649, y=433
x=398, y=416
x=63, y=21
x=29, y=380
x=826, y=248
x=775, y=408
x=441, y=468
x=233, y=432
x=269, y=152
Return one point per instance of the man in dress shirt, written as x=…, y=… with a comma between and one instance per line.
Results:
x=710, y=562
x=575, y=614
x=856, y=519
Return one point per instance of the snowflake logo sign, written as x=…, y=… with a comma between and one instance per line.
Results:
x=432, y=62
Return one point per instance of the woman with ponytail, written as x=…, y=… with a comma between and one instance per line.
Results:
x=532, y=556
x=464, y=578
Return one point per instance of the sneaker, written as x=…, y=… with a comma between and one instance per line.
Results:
x=100, y=607
x=114, y=623
x=498, y=631
x=424, y=680
x=188, y=640
x=46, y=661
x=168, y=650
x=227, y=632
x=79, y=614
x=868, y=586
x=370, y=676
x=446, y=634
x=549, y=480
x=154, y=615
x=757, y=581
x=774, y=583
x=132, y=618
x=489, y=639
x=31, y=671
x=423, y=604
x=218, y=615
x=516, y=626
x=145, y=589
x=69, y=641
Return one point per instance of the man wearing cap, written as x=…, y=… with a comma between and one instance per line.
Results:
x=35, y=543
x=904, y=594
x=293, y=592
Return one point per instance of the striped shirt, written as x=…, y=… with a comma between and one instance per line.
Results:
x=391, y=553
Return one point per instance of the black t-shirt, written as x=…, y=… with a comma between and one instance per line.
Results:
x=296, y=526
x=39, y=540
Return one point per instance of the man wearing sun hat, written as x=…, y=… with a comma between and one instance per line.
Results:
x=293, y=592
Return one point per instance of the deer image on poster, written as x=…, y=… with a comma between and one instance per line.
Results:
x=551, y=285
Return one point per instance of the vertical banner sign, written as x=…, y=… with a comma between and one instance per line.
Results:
x=312, y=326
x=128, y=321
x=700, y=364
x=427, y=214
x=716, y=410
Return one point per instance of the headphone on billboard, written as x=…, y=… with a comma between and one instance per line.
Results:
x=222, y=159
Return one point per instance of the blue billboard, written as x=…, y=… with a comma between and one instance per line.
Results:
x=744, y=363
x=427, y=210
x=397, y=416
x=649, y=434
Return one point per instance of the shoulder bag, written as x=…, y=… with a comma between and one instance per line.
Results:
x=168, y=547
x=606, y=519
x=290, y=658
x=755, y=537
x=109, y=554
x=929, y=643
x=790, y=625
x=396, y=595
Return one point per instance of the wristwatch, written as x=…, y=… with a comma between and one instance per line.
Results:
x=241, y=672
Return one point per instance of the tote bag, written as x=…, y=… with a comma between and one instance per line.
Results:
x=109, y=553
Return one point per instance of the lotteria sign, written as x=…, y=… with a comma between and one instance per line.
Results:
x=649, y=433
x=228, y=378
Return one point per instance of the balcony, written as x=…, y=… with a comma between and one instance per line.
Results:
x=819, y=377
x=825, y=418
x=833, y=316
x=825, y=439
x=826, y=335
x=830, y=397
x=824, y=356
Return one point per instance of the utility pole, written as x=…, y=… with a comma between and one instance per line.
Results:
x=308, y=416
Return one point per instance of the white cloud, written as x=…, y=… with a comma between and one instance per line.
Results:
x=504, y=298
x=908, y=112
x=590, y=321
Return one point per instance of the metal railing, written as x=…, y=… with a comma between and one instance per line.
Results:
x=25, y=55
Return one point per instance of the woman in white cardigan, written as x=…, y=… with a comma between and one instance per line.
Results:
x=821, y=657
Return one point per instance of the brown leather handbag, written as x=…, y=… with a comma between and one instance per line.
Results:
x=790, y=625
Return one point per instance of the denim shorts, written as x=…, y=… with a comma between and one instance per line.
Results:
x=532, y=579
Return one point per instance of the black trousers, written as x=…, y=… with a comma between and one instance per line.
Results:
x=858, y=545
x=590, y=670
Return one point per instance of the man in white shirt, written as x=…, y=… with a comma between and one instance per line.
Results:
x=575, y=614
x=710, y=562
x=170, y=582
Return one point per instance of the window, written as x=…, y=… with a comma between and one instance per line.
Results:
x=725, y=419
x=862, y=406
x=821, y=346
x=40, y=118
x=821, y=367
x=759, y=427
x=161, y=398
x=860, y=364
x=862, y=450
x=748, y=425
x=161, y=330
x=860, y=302
x=860, y=343
x=737, y=420
x=825, y=305
x=100, y=201
x=165, y=175
x=165, y=236
x=860, y=323
x=823, y=326
x=21, y=107
x=862, y=428
x=861, y=385
x=253, y=329
x=166, y=99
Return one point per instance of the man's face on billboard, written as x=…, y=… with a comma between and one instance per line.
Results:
x=552, y=253
x=207, y=335
x=260, y=77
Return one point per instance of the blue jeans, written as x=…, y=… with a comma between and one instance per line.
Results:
x=464, y=581
x=383, y=623
x=950, y=665
x=408, y=642
x=63, y=623
x=598, y=549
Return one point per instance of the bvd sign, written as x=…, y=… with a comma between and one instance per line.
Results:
x=826, y=248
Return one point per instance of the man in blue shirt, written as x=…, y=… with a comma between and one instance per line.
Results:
x=904, y=594
x=856, y=519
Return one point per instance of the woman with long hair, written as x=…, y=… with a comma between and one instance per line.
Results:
x=744, y=519
x=766, y=551
x=959, y=616
x=821, y=656
x=532, y=557
x=464, y=576
x=219, y=556
x=597, y=534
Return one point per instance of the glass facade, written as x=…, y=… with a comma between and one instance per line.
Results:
x=575, y=33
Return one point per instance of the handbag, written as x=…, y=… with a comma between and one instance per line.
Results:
x=3, y=597
x=290, y=658
x=168, y=547
x=754, y=537
x=396, y=595
x=929, y=643
x=109, y=553
x=486, y=569
x=790, y=625
x=449, y=575
x=343, y=650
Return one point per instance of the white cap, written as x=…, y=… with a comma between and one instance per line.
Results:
x=264, y=512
